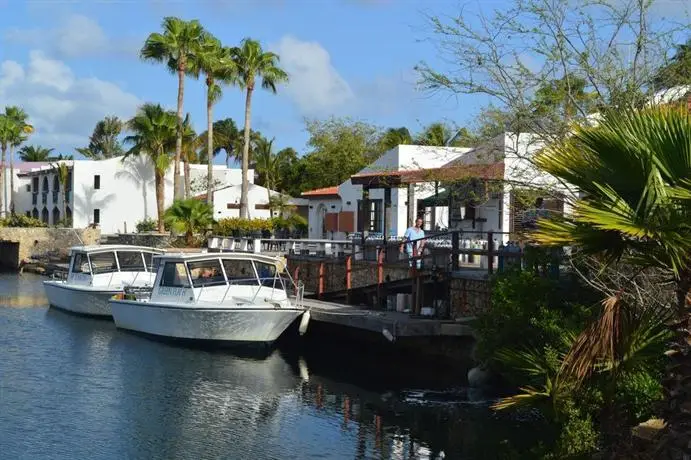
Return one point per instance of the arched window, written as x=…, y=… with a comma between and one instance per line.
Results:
x=45, y=185
x=68, y=216
x=56, y=183
x=45, y=216
x=34, y=213
x=56, y=216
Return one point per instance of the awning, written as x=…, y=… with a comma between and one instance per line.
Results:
x=394, y=179
x=440, y=199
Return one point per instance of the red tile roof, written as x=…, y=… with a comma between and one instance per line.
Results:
x=322, y=192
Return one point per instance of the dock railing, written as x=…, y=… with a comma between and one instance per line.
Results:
x=451, y=251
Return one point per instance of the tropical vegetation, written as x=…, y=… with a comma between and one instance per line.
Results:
x=35, y=153
x=189, y=216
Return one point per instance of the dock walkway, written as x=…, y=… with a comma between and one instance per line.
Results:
x=396, y=323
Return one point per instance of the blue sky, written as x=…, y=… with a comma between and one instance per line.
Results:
x=71, y=63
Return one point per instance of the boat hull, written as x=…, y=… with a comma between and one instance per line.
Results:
x=79, y=299
x=230, y=325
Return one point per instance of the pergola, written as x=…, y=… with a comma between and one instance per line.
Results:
x=408, y=178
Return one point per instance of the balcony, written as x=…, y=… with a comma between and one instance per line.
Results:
x=44, y=197
x=34, y=198
x=55, y=196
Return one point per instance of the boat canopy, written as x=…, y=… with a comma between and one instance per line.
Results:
x=94, y=260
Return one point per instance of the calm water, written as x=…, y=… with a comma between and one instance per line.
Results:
x=78, y=388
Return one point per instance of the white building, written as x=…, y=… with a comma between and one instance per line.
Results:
x=435, y=183
x=113, y=193
x=227, y=201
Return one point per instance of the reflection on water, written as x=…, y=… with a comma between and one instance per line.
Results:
x=73, y=387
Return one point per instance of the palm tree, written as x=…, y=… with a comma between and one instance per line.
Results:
x=34, y=153
x=217, y=64
x=7, y=127
x=177, y=46
x=226, y=137
x=190, y=142
x=20, y=133
x=62, y=170
x=154, y=133
x=104, y=142
x=253, y=62
x=393, y=137
x=633, y=171
x=267, y=164
x=189, y=216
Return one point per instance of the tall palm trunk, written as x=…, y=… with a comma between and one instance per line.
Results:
x=178, y=140
x=188, y=185
x=3, y=195
x=11, y=179
x=159, y=179
x=246, y=155
x=209, y=144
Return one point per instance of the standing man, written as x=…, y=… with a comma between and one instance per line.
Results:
x=411, y=246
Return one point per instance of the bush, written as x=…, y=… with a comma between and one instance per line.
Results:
x=18, y=220
x=147, y=225
x=237, y=226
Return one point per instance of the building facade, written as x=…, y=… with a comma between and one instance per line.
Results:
x=470, y=189
x=114, y=194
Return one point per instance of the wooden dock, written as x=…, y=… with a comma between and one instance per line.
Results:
x=389, y=323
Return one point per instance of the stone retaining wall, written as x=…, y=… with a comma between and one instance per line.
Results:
x=20, y=244
x=152, y=240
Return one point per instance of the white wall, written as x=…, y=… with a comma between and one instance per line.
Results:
x=231, y=194
x=315, y=218
x=126, y=196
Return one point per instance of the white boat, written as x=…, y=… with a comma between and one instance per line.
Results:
x=96, y=273
x=218, y=297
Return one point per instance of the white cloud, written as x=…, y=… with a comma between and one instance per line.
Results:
x=315, y=85
x=76, y=36
x=62, y=107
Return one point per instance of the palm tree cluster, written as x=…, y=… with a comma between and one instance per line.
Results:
x=14, y=131
x=187, y=49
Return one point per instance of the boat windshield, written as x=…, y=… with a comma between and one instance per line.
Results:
x=103, y=262
x=240, y=271
x=131, y=261
x=80, y=263
x=206, y=273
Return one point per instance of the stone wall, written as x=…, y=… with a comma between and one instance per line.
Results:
x=151, y=240
x=21, y=244
x=469, y=296
x=363, y=273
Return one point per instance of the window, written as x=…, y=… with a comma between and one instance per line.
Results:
x=267, y=273
x=174, y=275
x=130, y=261
x=97, y=216
x=80, y=263
x=103, y=262
x=97, y=182
x=240, y=272
x=206, y=273
x=34, y=181
x=28, y=187
x=373, y=217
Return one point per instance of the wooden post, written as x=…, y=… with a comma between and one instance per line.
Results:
x=349, y=270
x=455, y=246
x=411, y=204
x=364, y=222
x=380, y=276
x=490, y=252
x=387, y=213
x=320, y=289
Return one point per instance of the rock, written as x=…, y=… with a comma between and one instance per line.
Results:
x=478, y=377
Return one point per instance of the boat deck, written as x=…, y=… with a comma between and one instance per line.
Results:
x=397, y=323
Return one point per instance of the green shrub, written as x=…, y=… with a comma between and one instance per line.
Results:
x=147, y=225
x=18, y=220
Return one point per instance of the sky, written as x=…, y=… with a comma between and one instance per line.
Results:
x=70, y=63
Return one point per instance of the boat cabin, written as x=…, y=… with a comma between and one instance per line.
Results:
x=112, y=266
x=222, y=279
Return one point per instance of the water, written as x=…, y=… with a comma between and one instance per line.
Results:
x=73, y=387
